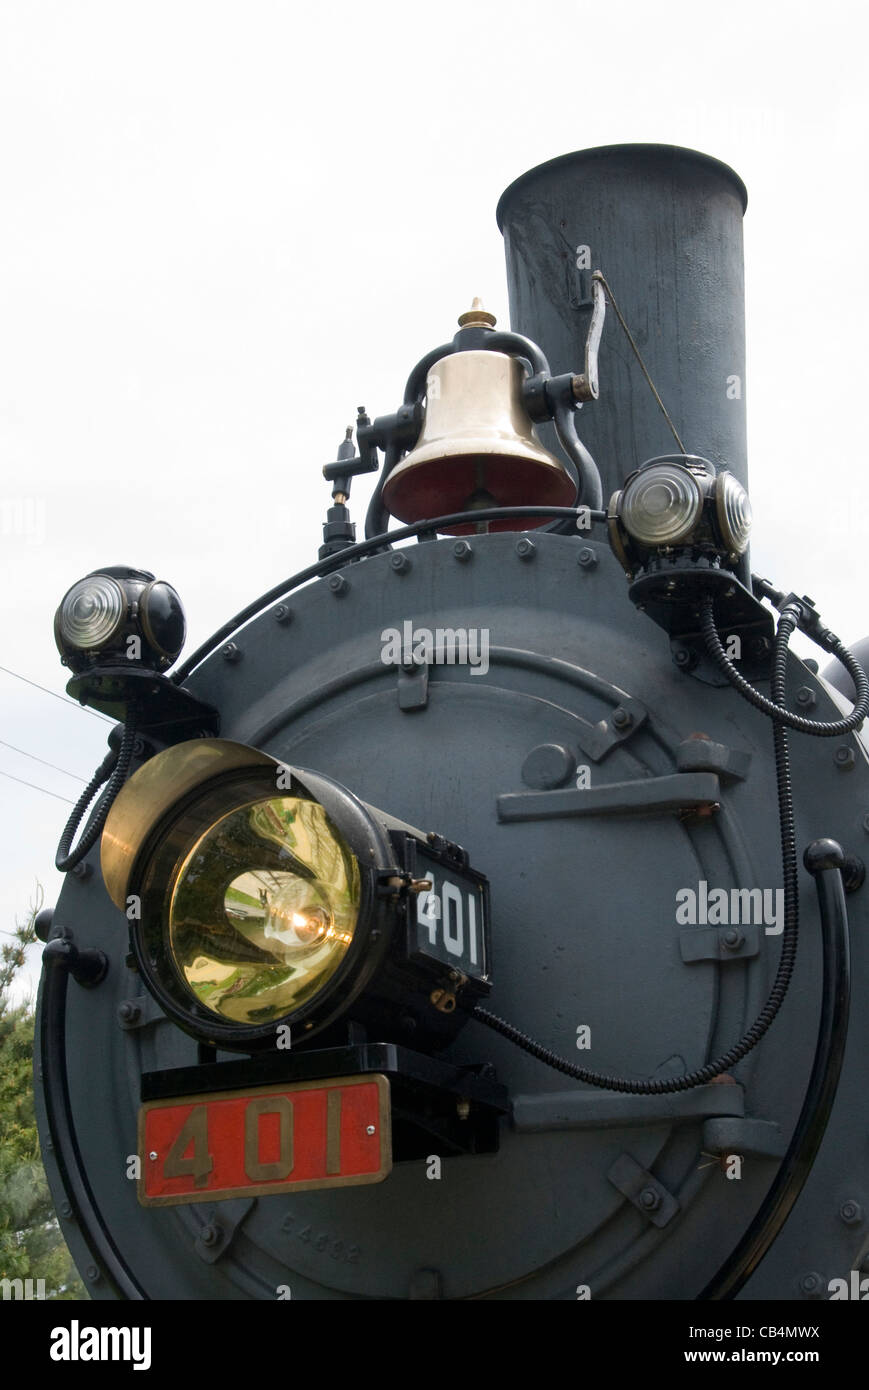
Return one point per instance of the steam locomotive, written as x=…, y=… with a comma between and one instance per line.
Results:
x=470, y=917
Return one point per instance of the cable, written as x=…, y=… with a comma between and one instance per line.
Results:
x=24, y=753
x=701, y=1075
x=56, y=795
x=780, y=715
x=368, y=547
x=46, y=691
x=598, y=275
x=820, y=1091
x=114, y=767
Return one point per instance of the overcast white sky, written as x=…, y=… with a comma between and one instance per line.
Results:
x=224, y=225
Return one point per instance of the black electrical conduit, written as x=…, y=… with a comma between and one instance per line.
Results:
x=368, y=547
x=114, y=767
x=702, y=1075
x=824, y=859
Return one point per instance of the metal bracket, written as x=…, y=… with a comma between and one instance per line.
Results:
x=624, y=721
x=87, y=966
x=644, y=1191
x=727, y=1135
x=165, y=710
x=215, y=1237
x=719, y=943
x=413, y=687
x=586, y=386
x=557, y=1110
x=703, y=755
x=681, y=791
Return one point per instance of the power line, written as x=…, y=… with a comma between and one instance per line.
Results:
x=56, y=795
x=24, y=753
x=65, y=698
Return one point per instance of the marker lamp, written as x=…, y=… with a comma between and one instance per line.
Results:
x=120, y=616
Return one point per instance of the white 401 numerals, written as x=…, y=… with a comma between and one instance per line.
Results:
x=449, y=918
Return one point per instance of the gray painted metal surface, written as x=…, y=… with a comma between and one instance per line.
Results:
x=584, y=933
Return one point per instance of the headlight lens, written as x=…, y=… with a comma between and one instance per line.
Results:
x=92, y=612
x=661, y=505
x=263, y=909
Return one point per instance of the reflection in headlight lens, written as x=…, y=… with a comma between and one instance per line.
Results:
x=263, y=909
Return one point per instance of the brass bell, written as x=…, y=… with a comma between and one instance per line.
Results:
x=477, y=448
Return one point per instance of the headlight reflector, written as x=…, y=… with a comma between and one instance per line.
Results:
x=263, y=909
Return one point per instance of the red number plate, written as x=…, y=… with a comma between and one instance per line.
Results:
x=268, y=1139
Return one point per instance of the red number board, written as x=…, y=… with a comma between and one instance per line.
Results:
x=267, y=1139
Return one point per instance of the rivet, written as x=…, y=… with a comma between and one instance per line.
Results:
x=462, y=550
x=210, y=1234
x=338, y=584
x=369, y=1129
x=65, y=1210
x=128, y=1012
x=283, y=614
x=811, y=1283
x=231, y=653
x=684, y=658
x=622, y=718
x=733, y=938
x=525, y=549
x=152, y=1156
x=650, y=1199
x=92, y=1273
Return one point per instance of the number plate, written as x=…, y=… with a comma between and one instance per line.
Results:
x=268, y=1139
x=451, y=918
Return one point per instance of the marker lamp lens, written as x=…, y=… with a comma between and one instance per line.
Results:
x=661, y=505
x=734, y=512
x=92, y=612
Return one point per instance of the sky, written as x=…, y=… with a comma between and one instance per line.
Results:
x=225, y=225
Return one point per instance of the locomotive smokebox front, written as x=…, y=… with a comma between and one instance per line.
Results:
x=437, y=937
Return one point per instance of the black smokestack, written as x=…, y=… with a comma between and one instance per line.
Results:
x=664, y=225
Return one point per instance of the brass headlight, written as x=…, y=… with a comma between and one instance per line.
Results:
x=261, y=895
